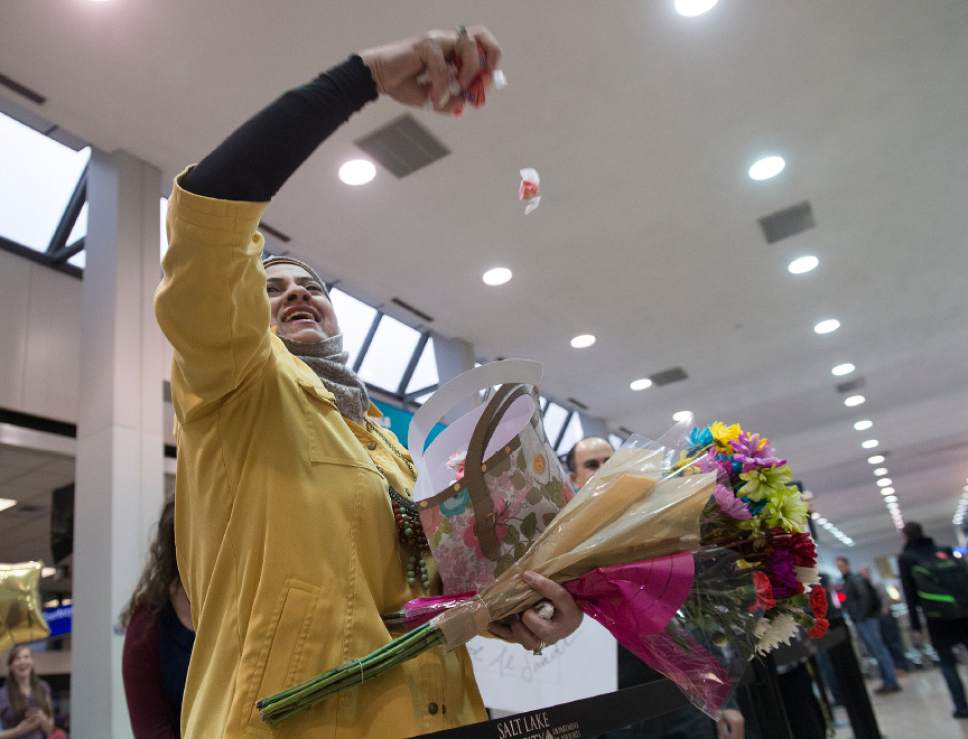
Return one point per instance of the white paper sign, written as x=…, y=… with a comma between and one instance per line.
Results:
x=512, y=679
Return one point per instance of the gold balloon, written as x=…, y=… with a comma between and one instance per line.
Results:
x=21, y=617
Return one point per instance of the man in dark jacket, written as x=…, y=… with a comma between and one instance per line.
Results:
x=945, y=632
x=864, y=611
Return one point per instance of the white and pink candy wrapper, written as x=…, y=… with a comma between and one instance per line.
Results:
x=530, y=189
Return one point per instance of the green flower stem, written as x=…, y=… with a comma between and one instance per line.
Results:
x=389, y=649
x=299, y=697
x=310, y=697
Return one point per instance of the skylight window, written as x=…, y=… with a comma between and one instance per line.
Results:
x=37, y=179
x=388, y=356
x=355, y=318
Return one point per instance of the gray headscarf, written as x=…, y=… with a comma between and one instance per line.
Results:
x=328, y=359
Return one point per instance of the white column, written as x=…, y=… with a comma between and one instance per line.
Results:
x=120, y=483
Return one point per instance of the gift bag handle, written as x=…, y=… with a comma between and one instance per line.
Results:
x=481, y=501
x=460, y=388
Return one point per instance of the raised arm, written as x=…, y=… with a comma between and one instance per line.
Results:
x=211, y=303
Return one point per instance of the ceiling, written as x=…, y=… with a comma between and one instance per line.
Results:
x=642, y=124
x=29, y=477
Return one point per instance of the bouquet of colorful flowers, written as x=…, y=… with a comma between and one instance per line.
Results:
x=692, y=552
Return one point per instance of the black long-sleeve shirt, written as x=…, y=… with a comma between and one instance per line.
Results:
x=914, y=552
x=257, y=159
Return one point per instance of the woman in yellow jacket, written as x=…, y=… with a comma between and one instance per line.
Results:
x=286, y=537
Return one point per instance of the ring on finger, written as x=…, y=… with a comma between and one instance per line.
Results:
x=539, y=648
x=462, y=33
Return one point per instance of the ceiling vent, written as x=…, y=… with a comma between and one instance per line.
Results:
x=852, y=385
x=667, y=377
x=403, y=146
x=787, y=222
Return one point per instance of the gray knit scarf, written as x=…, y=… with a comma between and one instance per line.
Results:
x=328, y=360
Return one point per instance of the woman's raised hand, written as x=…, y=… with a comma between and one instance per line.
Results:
x=417, y=70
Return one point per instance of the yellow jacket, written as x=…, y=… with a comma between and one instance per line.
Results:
x=286, y=541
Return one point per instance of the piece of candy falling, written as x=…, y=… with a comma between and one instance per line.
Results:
x=530, y=189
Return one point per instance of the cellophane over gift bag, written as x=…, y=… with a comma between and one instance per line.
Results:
x=482, y=514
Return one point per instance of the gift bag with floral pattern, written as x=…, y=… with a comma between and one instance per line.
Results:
x=491, y=481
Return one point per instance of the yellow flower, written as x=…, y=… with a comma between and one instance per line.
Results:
x=724, y=434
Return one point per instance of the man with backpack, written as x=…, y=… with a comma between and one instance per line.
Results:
x=937, y=581
x=863, y=606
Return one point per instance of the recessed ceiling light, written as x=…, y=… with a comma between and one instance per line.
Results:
x=885, y=482
x=863, y=425
x=48, y=571
x=641, y=384
x=802, y=265
x=826, y=326
x=890, y=499
x=357, y=172
x=692, y=8
x=497, y=276
x=875, y=459
x=843, y=369
x=766, y=168
x=870, y=443
x=682, y=416
x=880, y=471
x=6, y=503
x=854, y=400
x=887, y=491
x=582, y=341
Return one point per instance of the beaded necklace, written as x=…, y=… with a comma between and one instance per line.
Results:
x=407, y=517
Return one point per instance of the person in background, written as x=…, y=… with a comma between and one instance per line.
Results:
x=584, y=460
x=937, y=582
x=26, y=709
x=158, y=640
x=864, y=612
x=586, y=457
x=890, y=632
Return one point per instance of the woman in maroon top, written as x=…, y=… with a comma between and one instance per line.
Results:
x=157, y=641
x=25, y=706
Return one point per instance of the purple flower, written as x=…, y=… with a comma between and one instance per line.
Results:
x=754, y=452
x=711, y=462
x=730, y=505
x=751, y=445
x=783, y=574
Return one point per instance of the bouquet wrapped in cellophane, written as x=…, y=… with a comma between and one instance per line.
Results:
x=692, y=551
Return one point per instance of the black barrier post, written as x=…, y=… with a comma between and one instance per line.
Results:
x=581, y=719
x=765, y=702
x=843, y=659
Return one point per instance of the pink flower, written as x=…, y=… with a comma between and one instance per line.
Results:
x=456, y=462
x=730, y=505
